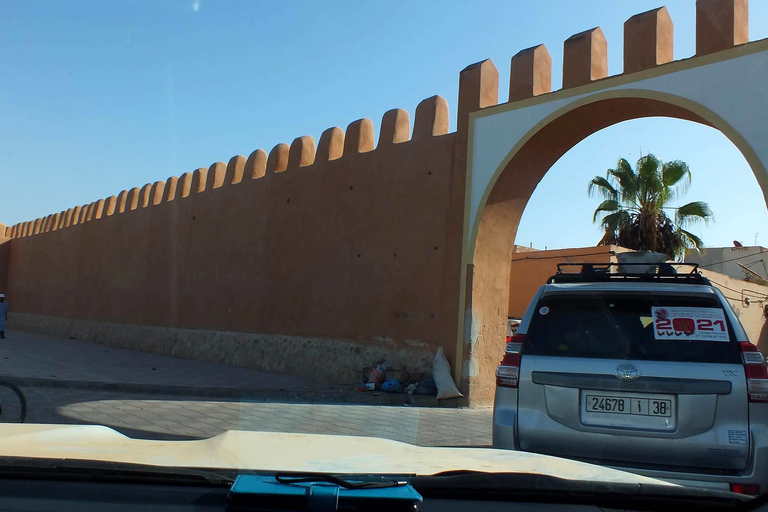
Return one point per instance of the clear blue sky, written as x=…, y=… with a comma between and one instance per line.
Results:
x=100, y=96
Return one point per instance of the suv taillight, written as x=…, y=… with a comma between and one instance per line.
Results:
x=508, y=372
x=750, y=489
x=756, y=370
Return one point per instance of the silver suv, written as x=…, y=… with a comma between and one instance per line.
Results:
x=650, y=373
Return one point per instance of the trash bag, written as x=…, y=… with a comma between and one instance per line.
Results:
x=441, y=372
x=391, y=386
x=425, y=387
x=376, y=376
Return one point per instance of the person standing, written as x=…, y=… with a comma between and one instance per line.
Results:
x=3, y=315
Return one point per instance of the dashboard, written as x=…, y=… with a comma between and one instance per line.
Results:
x=42, y=495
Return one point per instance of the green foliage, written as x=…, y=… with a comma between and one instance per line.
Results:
x=632, y=212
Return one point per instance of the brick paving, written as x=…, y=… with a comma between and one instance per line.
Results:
x=154, y=417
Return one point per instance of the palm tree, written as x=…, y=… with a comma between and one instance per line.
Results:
x=634, y=204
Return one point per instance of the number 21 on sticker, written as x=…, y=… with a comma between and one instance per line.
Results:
x=703, y=324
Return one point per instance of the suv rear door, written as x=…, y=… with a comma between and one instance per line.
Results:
x=606, y=375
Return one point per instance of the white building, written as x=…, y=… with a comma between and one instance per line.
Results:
x=747, y=263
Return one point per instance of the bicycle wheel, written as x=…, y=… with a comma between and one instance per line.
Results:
x=13, y=404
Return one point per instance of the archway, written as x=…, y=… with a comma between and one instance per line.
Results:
x=492, y=234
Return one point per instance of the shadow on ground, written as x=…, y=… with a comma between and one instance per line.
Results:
x=143, y=416
x=51, y=406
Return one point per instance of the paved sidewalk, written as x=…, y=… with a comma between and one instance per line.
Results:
x=39, y=360
x=39, y=356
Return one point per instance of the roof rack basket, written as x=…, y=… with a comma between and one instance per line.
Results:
x=592, y=272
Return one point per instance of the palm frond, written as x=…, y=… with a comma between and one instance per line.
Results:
x=676, y=177
x=693, y=213
x=651, y=189
x=612, y=224
x=647, y=166
x=674, y=172
x=627, y=181
x=609, y=205
x=691, y=240
x=609, y=238
x=616, y=220
x=623, y=165
x=602, y=187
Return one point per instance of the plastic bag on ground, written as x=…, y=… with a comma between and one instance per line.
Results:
x=425, y=387
x=441, y=373
x=391, y=386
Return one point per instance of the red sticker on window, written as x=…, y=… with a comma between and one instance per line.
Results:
x=704, y=324
x=684, y=325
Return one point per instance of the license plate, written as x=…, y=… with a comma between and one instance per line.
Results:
x=636, y=411
x=640, y=406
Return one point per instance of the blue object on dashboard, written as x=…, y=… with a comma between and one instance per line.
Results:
x=255, y=493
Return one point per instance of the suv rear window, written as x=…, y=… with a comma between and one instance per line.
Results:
x=621, y=326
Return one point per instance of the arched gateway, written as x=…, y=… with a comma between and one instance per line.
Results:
x=512, y=146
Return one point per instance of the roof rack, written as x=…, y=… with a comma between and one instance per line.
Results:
x=601, y=272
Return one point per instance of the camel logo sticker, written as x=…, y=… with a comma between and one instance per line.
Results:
x=700, y=324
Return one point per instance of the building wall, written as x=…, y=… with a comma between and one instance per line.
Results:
x=529, y=270
x=751, y=312
x=5, y=254
x=354, y=249
x=725, y=260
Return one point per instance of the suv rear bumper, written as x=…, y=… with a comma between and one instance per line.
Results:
x=505, y=437
x=757, y=466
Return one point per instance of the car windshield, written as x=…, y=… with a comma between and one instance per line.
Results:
x=295, y=235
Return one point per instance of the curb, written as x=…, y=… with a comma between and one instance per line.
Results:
x=256, y=395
